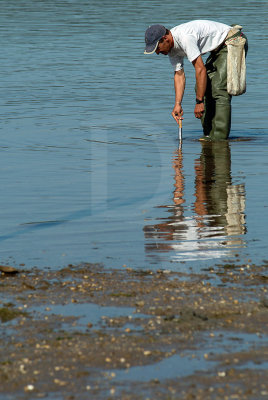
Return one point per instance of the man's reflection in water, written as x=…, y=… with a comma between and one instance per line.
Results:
x=216, y=196
x=218, y=219
x=173, y=227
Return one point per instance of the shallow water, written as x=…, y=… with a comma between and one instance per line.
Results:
x=90, y=165
x=190, y=362
x=91, y=314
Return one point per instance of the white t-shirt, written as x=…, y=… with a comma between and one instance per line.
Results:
x=195, y=38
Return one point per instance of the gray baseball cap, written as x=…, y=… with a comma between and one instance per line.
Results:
x=152, y=36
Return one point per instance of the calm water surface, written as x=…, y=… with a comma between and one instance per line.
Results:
x=91, y=168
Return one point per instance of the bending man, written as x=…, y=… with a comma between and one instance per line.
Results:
x=192, y=40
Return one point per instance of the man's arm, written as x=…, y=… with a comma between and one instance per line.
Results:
x=201, y=85
x=179, y=85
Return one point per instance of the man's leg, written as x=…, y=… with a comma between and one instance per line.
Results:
x=209, y=112
x=216, y=120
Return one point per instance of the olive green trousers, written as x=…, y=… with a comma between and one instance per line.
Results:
x=216, y=120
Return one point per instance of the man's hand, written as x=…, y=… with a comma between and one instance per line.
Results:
x=177, y=112
x=199, y=110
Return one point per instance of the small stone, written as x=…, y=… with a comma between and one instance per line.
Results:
x=108, y=360
x=147, y=352
x=22, y=369
x=6, y=269
x=59, y=382
x=222, y=374
x=122, y=360
x=29, y=388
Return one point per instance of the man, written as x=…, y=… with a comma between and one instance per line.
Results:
x=192, y=40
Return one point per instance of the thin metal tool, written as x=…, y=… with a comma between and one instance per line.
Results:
x=180, y=129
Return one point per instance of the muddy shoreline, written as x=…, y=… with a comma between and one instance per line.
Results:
x=85, y=332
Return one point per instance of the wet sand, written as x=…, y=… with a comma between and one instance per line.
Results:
x=167, y=335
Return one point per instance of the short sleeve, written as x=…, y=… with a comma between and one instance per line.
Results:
x=176, y=62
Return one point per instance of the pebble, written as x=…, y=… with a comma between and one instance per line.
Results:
x=22, y=369
x=59, y=382
x=29, y=388
x=147, y=352
x=6, y=269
